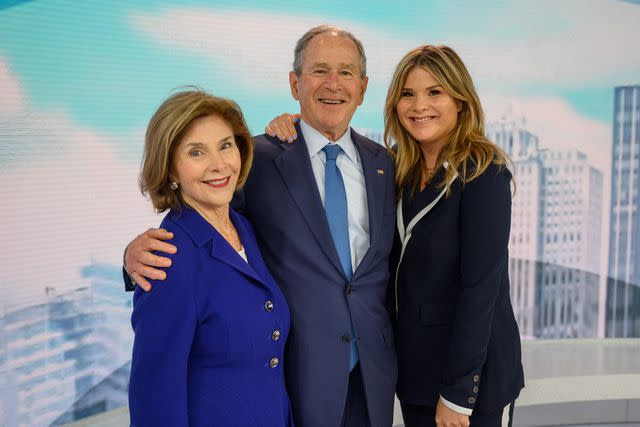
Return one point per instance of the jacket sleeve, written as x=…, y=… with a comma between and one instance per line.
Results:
x=485, y=221
x=129, y=286
x=239, y=201
x=164, y=322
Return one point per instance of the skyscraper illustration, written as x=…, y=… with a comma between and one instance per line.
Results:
x=555, y=235
x=56, y=349
x=571, y=245
x=525, y=246
x=623, y=289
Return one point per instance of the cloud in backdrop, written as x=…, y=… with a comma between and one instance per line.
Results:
x=70, y=198
x=259, y=53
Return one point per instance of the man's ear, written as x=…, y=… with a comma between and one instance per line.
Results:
x=293, y=84
x=365, y=81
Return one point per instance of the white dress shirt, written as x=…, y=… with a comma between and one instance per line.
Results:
x=348, y=162
x=243, y=254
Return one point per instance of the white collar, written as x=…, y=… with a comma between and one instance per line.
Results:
x=316, y=141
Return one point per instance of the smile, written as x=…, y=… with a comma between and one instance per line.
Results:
x=332, y=101
x=217, y=183
x=422, y=119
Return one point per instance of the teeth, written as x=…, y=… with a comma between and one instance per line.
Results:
x=422, y=119
x=331, y=101
x=218, y=181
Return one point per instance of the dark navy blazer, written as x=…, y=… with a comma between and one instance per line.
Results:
x=282, y=201
x=456, y=331
x=205, y=338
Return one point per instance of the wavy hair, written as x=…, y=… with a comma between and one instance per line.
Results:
x=468, y=150
x=167, y=126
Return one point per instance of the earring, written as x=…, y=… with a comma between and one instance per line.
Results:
x=173, y=185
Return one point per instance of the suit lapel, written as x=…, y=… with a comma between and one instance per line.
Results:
x=295, y=168
x=201, y=232
x=225, y=253
x=373, y=163
x=421, y=198
x=256, y=264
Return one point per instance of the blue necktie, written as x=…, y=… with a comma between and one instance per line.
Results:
x=335, y=206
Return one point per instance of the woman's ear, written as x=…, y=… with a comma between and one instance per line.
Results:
x=173, y=181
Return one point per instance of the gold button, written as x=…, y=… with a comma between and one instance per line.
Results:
x=475, y=389
x=275, y=335
x=472, y=400
x=268, y=306
x=476, y=378
x=274, y=362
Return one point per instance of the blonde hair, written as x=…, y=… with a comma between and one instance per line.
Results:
x=167, y=126
x=467, y=142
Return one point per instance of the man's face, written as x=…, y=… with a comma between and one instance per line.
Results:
x=329, y=87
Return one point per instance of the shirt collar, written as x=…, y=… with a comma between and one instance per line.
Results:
x=316, y=141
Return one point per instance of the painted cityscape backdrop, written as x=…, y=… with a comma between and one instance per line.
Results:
x=560, y=82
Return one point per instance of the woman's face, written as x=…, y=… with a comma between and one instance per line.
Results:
x=425, y=110
x=206, y=163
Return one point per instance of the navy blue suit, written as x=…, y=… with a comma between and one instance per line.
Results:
x=205, y=338
x=456, y=331
x=282, y=201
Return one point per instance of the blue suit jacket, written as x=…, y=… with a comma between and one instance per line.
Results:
x=456, y=332
x=204, y=338
x=282, y=201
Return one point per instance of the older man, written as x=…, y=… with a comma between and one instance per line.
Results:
x=323, y=210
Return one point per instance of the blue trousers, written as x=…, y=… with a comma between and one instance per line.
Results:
x=355, y=412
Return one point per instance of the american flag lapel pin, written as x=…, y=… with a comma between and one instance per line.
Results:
x=380, y=171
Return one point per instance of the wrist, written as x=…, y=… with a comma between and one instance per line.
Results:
x=456, y=408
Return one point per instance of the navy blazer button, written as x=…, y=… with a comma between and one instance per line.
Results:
x=274, y=362
x=275, y=335
x=475, y=389
x=476, y=378
x=268, y=306
x=349, y=289
x=346, y=338
x=472, y=400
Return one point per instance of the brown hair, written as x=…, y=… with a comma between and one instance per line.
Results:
x=467, y=143
x=168, y=125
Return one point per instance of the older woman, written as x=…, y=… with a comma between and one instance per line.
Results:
x=209, y=346
x=458, y=344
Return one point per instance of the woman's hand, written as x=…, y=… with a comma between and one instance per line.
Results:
x=446, y=417
x=283, y=127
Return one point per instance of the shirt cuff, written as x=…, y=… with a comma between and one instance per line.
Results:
x=454, y=407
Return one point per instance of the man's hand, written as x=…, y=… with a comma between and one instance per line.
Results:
x=139, y=261
x=446, y=417
x=283, y=127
